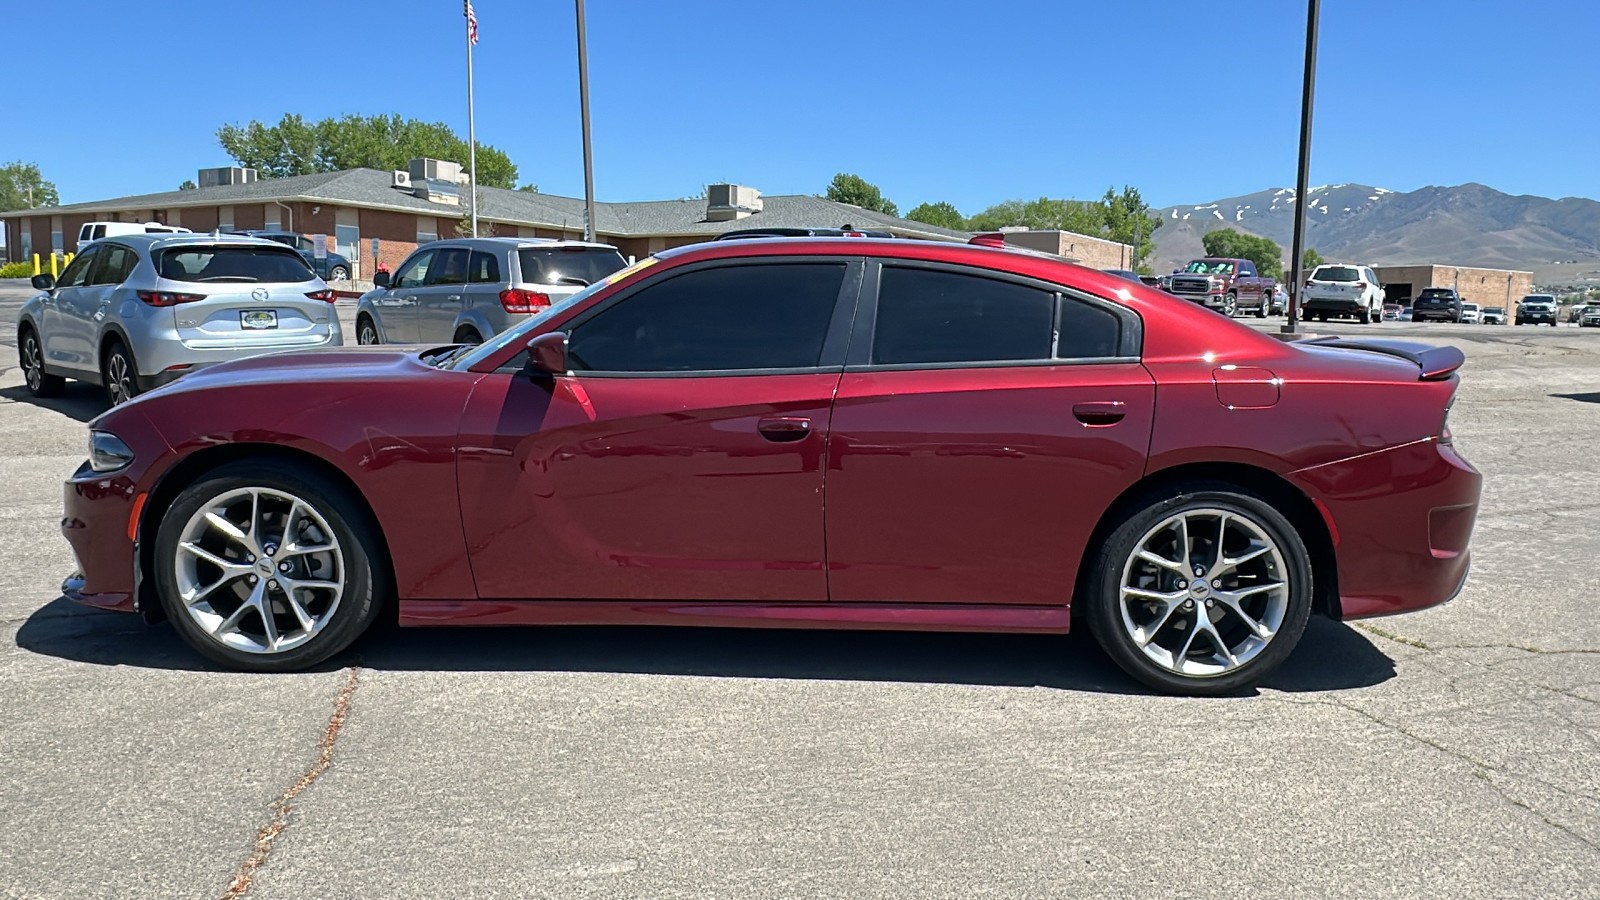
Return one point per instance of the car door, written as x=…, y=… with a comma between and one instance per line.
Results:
x=1249, y=287
x=681, y=457
x=397, y=306
x=439, y=299
x=1375, y=290
x=982, y=426
x=112, y=266
x=66, y=334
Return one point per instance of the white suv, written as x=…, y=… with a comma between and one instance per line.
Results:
x=1337, y=289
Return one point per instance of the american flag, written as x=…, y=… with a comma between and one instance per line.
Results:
x=472, y=24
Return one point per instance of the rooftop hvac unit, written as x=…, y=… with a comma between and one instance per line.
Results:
x=227, y=175
x=731, y=201
x=402, y=179
x=423, y=168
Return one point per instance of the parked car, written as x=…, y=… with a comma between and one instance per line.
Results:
x=1392, y=311
x=1406, y=314
x=331, y=266
x=1590, y=317
x=1225, y=285
x=1493, y=315
x=1125, y=275
x=1469, y=313
x=1579, y=310
x=94, y=231
x=136, y=311
x=464, y=290
x=1437, y=305
x=1280, y=300
x=1537, y=309
x=654, y=448
x=1343, y=290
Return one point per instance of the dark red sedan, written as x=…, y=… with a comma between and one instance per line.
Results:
x=815, y=433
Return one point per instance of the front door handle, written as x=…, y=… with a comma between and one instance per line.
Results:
x=784, y=429
x=1100, y=413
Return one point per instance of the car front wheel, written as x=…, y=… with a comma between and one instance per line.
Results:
x=268, y=566
x=1202, y=592
x=338, y=273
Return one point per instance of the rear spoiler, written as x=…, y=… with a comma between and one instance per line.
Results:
x=1436, y=363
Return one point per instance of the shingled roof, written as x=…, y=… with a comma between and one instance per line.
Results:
x=370, y=188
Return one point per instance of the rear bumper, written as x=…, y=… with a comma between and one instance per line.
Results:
x=1401, y=520
x=1444, y=314
x=1333, y=304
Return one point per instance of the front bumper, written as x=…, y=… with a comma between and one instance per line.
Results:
x=98, y=522
x=1401, y=520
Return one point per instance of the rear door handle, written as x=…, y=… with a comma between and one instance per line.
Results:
x=784, y=429
x=1100, y=412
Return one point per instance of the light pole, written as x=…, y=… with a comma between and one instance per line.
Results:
x=1297, y=263
x=588, y=153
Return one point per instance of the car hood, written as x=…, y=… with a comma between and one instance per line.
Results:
x=366, y=364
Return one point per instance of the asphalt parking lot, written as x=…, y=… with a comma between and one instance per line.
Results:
x=1452, y=752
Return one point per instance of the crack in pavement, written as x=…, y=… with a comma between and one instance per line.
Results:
x=1480, y=768
x=1424, y=645
x=284, y=805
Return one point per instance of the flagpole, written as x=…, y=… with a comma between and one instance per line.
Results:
x=472, y=138
x=583, y=102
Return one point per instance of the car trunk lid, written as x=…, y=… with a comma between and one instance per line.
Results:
x=1433, y=363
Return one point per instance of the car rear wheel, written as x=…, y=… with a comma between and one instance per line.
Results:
x=40, y=383
x=467, y=335
x=266, y=566
x=338, y=273
x=1202, y=592
x=119, y=373
x=366, y=331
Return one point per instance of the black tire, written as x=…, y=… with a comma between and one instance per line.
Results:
x=31, y=357
x=119, y=373
x=1230, y=304
x=1261, y=311
x=366, y=331
x=367, y=582
x=1103, y=587
x=1364, y=317
x=468, y=335
x=338, y=273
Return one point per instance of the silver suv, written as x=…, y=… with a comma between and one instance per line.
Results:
x=463, y=291
x=136, y=311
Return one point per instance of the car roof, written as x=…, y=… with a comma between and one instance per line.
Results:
x=503, y=243
x=150, y=241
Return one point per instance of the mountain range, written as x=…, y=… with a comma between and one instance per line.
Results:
x=1466, y=225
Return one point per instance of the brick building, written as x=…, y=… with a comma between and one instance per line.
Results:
x=350, y=208
x=1096, y=253
x=1485, y=287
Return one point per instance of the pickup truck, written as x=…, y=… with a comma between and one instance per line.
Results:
x=1225, y=285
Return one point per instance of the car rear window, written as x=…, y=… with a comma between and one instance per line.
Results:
x=236, y=264
x=1434, y=294
x=542, y=265
x=1337, y=273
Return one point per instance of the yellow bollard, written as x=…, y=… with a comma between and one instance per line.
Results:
x=53, y=272
x=68, y=261
x=36, y=269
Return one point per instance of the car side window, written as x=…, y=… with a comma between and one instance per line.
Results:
x=1247, y=270
x=77, y=274
x=449, y=267
x=114, y=263
x=414, y=271
x=754, y=316
x=1087, y=331
x=484, y=268
x=934, y=316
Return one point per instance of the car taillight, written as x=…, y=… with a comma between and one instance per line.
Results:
x=1361, y=285
x=1445, y=437
x=1310, y=281
x=168, y=298
x=516, y=300
x=326, y=295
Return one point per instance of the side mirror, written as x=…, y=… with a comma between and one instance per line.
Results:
x=547, y=355
x=43, y=282
x=381, y=280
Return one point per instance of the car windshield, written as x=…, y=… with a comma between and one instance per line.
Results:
x=1495, y=309
x=1470, y=306
x=1336, y=273
x=1209, y=267
x=516, y=333
x=240, y=264
x=1539, y=298
x=549, y=265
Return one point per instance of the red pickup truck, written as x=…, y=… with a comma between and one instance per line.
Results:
x=1225, y=285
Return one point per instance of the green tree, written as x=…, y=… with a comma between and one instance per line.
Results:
x=296, y=147
x=1310, y=259
x=857, y=191
x=941, y=214
x=1122, y=217
x=1264, y=252
x=529, y=188
x=23, y=187
x=187, y=185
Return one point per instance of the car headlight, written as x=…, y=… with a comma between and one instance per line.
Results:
x=107, y=452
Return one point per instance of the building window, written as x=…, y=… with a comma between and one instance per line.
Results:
x=270, y=220
x=27, y=241
x=56, y=246
x=346, y=240
x=427, y=229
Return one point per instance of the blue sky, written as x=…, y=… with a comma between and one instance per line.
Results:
x=932, y=100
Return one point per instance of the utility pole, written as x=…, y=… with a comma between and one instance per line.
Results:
x=1302, y=181
x=588, y=151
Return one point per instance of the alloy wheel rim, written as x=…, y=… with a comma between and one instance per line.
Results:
x=117, y=378
x=1204, y=592
x=369, y=335
x=259, y=570
x=32, y=363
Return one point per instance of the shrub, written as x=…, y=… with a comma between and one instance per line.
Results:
x=16, y=270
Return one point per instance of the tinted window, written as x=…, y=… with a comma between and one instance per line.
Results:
x=78, y=273
x=1246, y=269
x=927, y=316
x=414, y=270
x=1436, y=294
x=736, y=317
x=549, y=265
x=116, y=261
x=449, y=267
x=1337, y=273
x=1087, y=331
x=233, y=264
x=484, y=268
